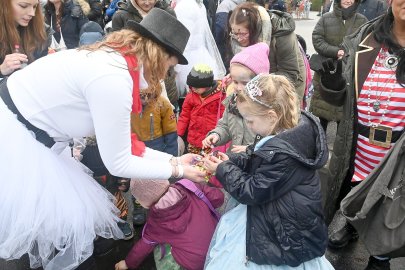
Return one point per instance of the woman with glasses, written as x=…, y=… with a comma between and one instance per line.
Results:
x=250, y=23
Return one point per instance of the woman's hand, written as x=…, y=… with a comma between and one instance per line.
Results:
x=189, y=159
x=122, y=265
x=340, y=54
x=211, y=163
x=210, y=141
x=238, y=148
x=194, y=174
x=12, y=62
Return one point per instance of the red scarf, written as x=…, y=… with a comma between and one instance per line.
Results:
x=138, y=147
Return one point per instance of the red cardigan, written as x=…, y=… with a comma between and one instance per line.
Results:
x=200, y=116
x=187, y=226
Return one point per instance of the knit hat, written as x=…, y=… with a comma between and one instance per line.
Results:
x=148, y=192
x=200, y=76
x=255, y=58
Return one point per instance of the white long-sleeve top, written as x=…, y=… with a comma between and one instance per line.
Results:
x=73, y=94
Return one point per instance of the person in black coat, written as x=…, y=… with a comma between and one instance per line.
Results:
x=277, y=177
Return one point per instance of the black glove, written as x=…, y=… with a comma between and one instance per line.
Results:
x=331, y=76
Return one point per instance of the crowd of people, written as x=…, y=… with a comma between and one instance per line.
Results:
x=203, y=118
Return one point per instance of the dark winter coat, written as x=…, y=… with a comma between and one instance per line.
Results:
x=327, y=39
x=95, y=13
x=127, y=11
x=361, y=50
x=280, y=185
x=285, y=55
x=372, y=8
x=73, y=18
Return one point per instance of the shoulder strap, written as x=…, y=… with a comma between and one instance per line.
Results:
x=153, y=243
x=193, y=188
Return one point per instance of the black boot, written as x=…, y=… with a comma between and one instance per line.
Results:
x=103, y=246
x=139, y=214
x=343, y=236
x=376, y=264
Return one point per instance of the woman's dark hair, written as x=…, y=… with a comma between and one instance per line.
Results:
x=49, y=9
x=383, y=35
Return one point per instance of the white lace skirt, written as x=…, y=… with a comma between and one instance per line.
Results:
x=49, y=208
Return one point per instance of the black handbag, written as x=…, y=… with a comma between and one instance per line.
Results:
x=315, y=61
x=376, y=207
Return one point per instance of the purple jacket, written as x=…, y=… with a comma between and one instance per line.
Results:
x=187, y=226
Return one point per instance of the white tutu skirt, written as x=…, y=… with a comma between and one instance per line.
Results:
x=49, y=208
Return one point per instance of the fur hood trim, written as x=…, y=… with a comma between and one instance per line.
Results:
x=84, y=5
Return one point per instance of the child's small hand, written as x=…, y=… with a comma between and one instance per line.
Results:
x=238, y=148
x=122, y=265
x=210, y=141
x=194, y=174
x=211, y=163
x=223, y=156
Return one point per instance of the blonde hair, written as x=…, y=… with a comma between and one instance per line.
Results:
x=278, y=93
x=147, y=51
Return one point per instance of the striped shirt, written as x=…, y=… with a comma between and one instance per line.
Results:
x=381, y=86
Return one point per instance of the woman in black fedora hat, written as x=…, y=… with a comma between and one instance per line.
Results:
x=50, y=208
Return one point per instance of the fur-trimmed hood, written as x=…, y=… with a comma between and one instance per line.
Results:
x=84, y=5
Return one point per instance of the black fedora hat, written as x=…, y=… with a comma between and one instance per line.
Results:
x=165, y=30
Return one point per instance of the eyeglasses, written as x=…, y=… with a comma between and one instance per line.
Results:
x=239, y=35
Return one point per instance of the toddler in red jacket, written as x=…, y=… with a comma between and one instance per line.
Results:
x=178, y=217
x=202, y=107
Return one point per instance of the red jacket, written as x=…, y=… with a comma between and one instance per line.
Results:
x=187, y=226
x=200, y=116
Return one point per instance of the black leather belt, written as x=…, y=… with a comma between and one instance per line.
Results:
x=381, y=135
x=40, y=135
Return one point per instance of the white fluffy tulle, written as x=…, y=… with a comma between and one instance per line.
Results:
x=49, y=208
x=201, y=47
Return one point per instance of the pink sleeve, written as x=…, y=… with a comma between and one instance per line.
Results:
x=138, y=253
